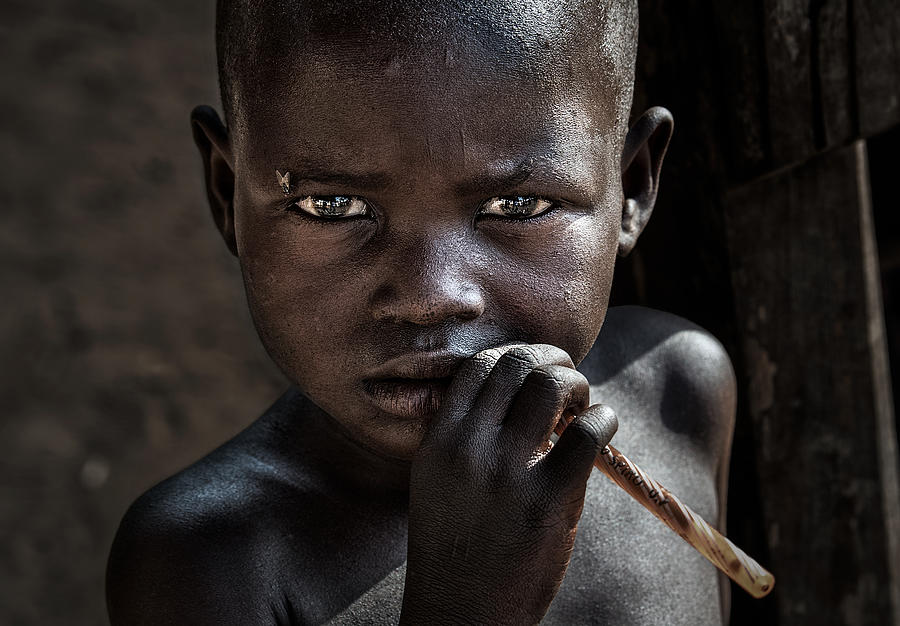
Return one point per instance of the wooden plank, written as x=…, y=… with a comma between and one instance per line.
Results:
x=834, y=113
x=740, y=82
x=876, y=26
x=800, y=270
x=881, y=380
x=787, y=45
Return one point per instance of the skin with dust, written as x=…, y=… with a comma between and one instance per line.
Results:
x=428, y=276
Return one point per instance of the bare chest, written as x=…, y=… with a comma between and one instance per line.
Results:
x=626, y=567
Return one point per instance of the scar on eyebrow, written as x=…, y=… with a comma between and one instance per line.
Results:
x=318, y=173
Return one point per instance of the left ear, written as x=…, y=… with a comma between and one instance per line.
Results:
x=642, y=158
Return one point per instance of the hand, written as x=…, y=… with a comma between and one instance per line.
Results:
x=493, y=514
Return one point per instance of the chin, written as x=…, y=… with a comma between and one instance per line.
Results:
x=397, y=440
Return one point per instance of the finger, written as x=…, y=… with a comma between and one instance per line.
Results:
x=465, y=388
x=569, y=462
x=506, y=378
x=546, y=393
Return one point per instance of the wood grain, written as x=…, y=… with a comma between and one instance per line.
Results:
x=798, y=261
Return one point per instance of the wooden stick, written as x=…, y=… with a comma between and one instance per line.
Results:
x=736, y=564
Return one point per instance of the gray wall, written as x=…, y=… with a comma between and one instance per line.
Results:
x=126, y=347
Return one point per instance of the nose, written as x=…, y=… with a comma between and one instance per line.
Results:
x=429, y=282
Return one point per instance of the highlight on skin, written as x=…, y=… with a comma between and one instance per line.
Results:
x=592, y=38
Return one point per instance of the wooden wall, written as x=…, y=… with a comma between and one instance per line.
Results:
x=764, y=234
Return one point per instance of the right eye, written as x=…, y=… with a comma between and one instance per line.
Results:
x=333, y=207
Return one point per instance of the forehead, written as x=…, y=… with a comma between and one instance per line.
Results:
x=508, y=28
x=580, y=46
x=444, y=88
x=435, y=111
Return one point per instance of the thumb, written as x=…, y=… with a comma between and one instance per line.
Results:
x=570, y=461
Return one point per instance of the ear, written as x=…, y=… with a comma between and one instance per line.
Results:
x=212, y=140
x=642, y=158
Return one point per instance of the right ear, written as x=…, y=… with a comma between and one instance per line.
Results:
x=212, y=140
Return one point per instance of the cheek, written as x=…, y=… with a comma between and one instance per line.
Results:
x=587, y=295
x=286, y=263
x=564, y=289
x=271, y=298
x=593, y=260
x=295, y=298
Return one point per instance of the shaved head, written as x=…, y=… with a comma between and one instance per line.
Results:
x=402, y=175
x=584, y=46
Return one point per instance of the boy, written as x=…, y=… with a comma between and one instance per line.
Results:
x=426, y=199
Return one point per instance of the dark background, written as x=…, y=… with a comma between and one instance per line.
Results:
x=127, y=350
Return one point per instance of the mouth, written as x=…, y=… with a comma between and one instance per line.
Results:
x=415, y=384
x=408, y=397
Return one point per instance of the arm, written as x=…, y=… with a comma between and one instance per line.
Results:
x=706, y=376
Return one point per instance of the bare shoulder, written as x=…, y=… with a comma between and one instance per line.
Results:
x=680, y=375
x=672, y=386
x=192, y=550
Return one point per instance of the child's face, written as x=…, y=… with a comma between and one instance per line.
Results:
x=437, y=155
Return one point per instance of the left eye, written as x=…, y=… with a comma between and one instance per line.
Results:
x=517, y=207
x=333, y=207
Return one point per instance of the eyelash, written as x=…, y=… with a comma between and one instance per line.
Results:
x=293, y=207
x=548, y=207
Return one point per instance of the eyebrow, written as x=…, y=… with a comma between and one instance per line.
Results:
x=499, y=180
x=545, y=168
x=499, y=177
x=317, y=173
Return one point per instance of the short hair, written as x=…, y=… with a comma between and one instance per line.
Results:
x=249, y=32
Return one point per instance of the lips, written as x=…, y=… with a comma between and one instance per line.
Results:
x=413, y=385
x=408, y=397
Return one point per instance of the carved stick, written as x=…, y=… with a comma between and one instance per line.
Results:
x=736, y=564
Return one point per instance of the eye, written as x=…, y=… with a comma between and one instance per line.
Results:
x=516, y=207
x=333, y=207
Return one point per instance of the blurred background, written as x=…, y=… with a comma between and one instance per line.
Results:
x=127, y=350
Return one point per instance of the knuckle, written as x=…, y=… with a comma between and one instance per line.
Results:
x=555, y=354
x=558, y=385
x=481, y=362
x=476, y=368
x=518, y=358
x=559, y=507
x=488, y=357
x=591, y=430
x=568, y=506
x=547, y=383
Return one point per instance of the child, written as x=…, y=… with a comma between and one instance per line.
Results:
x=426, y=199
